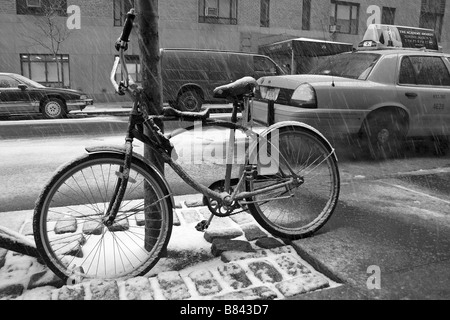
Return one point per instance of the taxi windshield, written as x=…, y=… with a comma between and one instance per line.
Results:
x=348, y=65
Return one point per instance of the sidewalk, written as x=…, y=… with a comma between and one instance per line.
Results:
x=233, y=260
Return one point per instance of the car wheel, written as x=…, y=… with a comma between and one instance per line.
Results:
x=383, y=135
x=54, y=108
x=189, y=101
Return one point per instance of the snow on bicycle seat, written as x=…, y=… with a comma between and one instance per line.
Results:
x=237, y=88
x=185, y=115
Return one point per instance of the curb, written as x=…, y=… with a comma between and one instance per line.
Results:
x=46, y=128
x=125, y=110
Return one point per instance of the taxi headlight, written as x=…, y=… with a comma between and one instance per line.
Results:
x=83, y=97
x=304, y=96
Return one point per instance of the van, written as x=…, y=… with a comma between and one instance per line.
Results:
x=189, y=76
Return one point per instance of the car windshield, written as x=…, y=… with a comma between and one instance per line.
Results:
x=347, y=65
x=29, y=82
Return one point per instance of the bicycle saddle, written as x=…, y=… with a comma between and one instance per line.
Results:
x=237, y=88
x=185, y=115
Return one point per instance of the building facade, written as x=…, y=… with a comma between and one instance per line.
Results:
x=76, y=49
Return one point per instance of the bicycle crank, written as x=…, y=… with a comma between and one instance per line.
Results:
x=216, y=207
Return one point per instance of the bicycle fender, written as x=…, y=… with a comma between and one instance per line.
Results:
x=279, y=125
x=121, y=150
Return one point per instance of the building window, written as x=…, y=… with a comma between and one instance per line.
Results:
x=217, y=11
x=388, y=15
x=121, y=8
x=42, y=7
x=306, y=15
x=344, y=15
x=432, y=15
x=265, y=13
x=133, y=67
x=47, y=69
x=33, y=3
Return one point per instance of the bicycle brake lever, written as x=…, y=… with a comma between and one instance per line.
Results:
x=119, y=44
x=120, y=90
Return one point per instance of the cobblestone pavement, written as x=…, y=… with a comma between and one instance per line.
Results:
x=234, y=259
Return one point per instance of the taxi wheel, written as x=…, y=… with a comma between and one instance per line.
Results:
x=384, y=134
x=189, y=101
x=54, y=108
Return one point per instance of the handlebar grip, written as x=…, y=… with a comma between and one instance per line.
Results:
x=128, y=26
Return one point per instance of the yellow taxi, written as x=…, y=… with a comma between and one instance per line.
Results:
x=394, y=85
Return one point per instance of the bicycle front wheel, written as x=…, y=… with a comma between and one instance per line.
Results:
x=294, y=212
x=69, y=232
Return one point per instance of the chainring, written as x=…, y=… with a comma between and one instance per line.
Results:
x=217, y=208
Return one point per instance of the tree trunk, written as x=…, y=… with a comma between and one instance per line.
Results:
x=148, y=38
x=60, y=84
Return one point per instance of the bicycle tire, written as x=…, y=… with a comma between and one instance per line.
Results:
x=309, y=205
x=68, y=233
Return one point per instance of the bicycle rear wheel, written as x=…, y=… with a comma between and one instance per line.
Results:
x=68, y=228
x=295, y=212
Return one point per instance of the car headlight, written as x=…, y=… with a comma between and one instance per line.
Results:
x=304, y=96
x=83, y=97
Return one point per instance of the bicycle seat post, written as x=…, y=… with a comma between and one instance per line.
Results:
x=234, y=113
x=246, y=112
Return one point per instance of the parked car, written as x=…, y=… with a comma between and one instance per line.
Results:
x=379, y=93
x=22, y=96
x=189, y=76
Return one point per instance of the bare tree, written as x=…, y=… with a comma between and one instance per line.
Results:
x=51, y=29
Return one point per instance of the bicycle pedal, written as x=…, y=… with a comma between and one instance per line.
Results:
x=202, y=225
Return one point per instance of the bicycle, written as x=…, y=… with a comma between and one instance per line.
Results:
x=108, y=214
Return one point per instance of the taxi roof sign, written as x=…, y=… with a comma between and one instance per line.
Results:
x=381, y=36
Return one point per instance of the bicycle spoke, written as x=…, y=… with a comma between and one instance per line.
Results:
x=130, y=246
x=89, y=189
x=98, y=187
x=300, y=209
x=87, y=204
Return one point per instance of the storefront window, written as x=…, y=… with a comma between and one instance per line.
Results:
x=47, y=69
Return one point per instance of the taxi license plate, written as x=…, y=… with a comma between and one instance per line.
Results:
x=272, y=94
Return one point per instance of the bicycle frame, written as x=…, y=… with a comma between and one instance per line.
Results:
x=139, y=118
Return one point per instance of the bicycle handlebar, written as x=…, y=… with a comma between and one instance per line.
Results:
x=122, y=41
x=128, y=26
x=122, y=45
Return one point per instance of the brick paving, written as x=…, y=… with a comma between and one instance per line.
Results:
x=247, y=264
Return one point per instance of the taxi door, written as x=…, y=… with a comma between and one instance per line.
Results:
x=424, y=89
